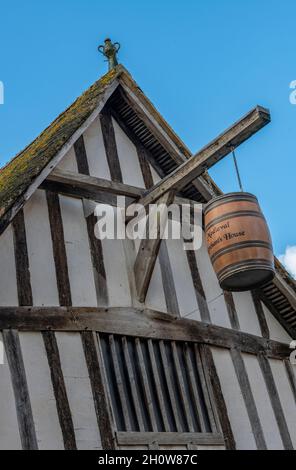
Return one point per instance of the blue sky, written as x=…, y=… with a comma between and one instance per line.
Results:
x=203, y=63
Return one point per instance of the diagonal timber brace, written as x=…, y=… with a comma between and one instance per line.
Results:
x=184, y=174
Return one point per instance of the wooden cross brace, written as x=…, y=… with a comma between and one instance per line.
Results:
x=163, y=192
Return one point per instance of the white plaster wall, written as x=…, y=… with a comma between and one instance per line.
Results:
x=214, y=295
x=182, y=278
x=78, y=253
x=79, y=391
x=9, y=431
x=246, y=313
x=40, y=251
x=286, y=396
x=237, y=412
x=263, y=404
x=48, y=431
x=95, y=151
x=68, y=162
x=277, y=332
x=128, y=158
x=8, y=286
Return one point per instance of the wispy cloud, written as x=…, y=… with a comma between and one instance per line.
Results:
x=289, y=260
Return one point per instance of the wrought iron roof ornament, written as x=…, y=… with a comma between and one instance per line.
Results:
x=110, y=51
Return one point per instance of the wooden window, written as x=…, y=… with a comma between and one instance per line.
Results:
x=157, y=386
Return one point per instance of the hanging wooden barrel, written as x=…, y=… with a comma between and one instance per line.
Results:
x=238, y=241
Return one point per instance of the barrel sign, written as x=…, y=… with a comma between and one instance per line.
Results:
x=238, y=242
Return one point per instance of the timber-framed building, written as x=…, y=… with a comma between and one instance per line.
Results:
x=89, y=364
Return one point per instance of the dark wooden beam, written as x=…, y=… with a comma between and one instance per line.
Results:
x=209, y=155
x=96, y=249
x=110, y=144
x=21, y=391
x=216, y=390
x=23, y=277
x=59, y=248
x=144, y=323
x=95, y=372
x=260, y=314
x=275, y=402
x=246, y=390
x=59, y=389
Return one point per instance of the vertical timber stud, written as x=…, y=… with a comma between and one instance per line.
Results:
x=110, y=144
x=95, y=372
x=95, y=244
x=20, y=388
x=211, y=372
x=198, y=288
x=24, y=289
x=59, y=388
x=243, y=379
x=149, y=247
x=228, y=297
x=275, y=401
x=260, y=314
x=59, y=249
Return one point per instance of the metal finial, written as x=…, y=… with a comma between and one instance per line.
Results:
x=110, y=50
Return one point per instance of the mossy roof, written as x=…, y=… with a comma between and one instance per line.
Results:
x=18, y=174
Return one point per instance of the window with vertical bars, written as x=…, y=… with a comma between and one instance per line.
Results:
x=156, y=386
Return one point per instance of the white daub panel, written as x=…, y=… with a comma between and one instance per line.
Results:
x=213, y=292
x=95, y=151
x=247, y=316
x=40, y=251
x=286, y=396
x=80, y=268
x=263, y=404
x=237, y=412
x=128, y=158
x=79, y=391
x=47, y=426
x=68, y=162
x=277, y=332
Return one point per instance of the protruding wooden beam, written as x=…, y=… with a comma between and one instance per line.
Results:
x=88, y=187
x=149, y=247
x=209, y=155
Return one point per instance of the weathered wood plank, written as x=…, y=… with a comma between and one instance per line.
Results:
x=132, y=383
x=88, y=187
x=170, y=293
x=169, y=438
x=181, y=387
x=149, y=247
x=210, y=370
x=20, y=388
x=119, y=382
x=275, y=401
x=144, y=323
x=170, y=386
x=23, y=279
x=59, y=388
x=145, y=385
x=110, y=144
x=59, y=249
x=209, y=155
x=158, y=387
x=260, y=314
x=94, y=366
x=206, y=393
x=243, y=379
